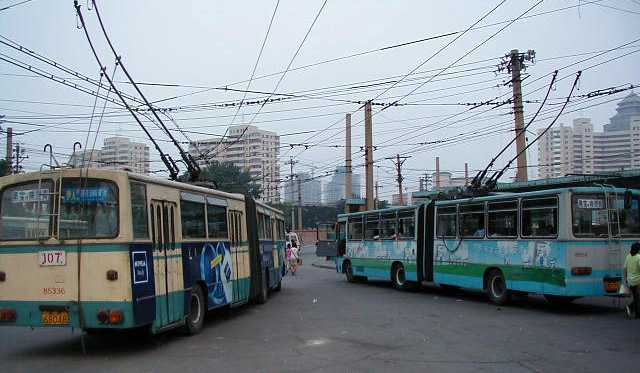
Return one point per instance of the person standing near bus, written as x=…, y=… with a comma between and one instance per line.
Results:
x=632, y=277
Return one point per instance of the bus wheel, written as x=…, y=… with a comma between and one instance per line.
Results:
x=559, y=299
x=497, y=288
x=264, y=289
x=195, y=318
x=398, y=277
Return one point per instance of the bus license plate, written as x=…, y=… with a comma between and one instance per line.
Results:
x=55, y=317
x=52, y=258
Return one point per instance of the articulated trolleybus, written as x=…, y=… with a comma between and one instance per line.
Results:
x=97, y=249
x=563, y=243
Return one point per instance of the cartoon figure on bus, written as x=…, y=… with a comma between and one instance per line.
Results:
x=216, y=269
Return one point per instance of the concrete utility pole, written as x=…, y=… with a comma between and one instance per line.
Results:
x=9, y=146
x=299, y=203
x=377, y=195
x=368, y=154
x=348, y=177
x=291, y=163
x=514, y=62
x=466, y=174
x=437, y=172
x=19, y=157
x=398, y=161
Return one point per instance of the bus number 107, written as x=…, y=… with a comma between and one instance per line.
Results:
x=52, y=258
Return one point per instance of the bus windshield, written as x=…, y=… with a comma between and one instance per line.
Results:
x=590, y=216
x=26, y=211
x=89, y=209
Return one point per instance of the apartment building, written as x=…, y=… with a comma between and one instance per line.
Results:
x=578, y=149
x=334, y=190
x=117, y=153
x=310, y=190
x=248, y=148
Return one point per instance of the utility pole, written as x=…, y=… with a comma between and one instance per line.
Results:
x=291, y=163
x=368, y=154
x=399, y=161
x=348, y=177
x=437, y=173
x=377, y=195
x=19, y=157
x=466, y=174
x=299, y=203
x=514, y=63
x=9, y=146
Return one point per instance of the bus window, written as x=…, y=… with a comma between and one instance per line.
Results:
x=372, y=231
x=446, y=225
x=217, y=221
x=139, y=211
x=261, y=229
x=89, y=209
x=355, y=228
x=539, y=217
x=406, y=224
x=472, y=220
x=589, y=216
x=192, y=214
x=26, y=210
x=388, y=226
x=502, y=219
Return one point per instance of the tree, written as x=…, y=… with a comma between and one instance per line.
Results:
x=5, y=167
x=228, y=178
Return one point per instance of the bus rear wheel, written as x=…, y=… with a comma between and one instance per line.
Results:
x=195, y=318
x=497, y=288
x=398, y=277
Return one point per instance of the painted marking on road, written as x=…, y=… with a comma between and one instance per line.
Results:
x=316, y=342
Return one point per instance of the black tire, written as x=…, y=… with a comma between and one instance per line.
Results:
x=398, y=277
x=559, y=300
x=348, y=271
x=264, y=289
x=497, y=288
x=195, y=318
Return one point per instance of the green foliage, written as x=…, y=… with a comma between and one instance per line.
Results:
x=229, y=178
x=5, y=167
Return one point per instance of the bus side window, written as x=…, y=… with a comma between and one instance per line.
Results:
x=217, y=221
x=355, y=228
x=388, y=226
x=139, y=211
x=502, y=219
x=446, y=222
x=472, y=220
x=372, y=231
x=539, y=217
x=406, y=224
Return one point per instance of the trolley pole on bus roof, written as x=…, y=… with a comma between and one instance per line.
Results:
x=399, y=161
x=368, y=154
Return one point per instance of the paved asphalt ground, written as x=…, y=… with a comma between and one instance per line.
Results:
x=319, y=322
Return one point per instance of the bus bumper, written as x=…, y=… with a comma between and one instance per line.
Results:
x=86, y=315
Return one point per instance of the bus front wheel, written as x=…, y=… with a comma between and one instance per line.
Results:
x=497, y=288
x=195, y=319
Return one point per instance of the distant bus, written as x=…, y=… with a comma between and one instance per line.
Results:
x=563, y=243
x=98, y=249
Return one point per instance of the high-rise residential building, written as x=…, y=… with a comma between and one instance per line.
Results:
x=249, y=148
x=117, y=153
x=578, y=149
x=334, y=190
x=310, y=190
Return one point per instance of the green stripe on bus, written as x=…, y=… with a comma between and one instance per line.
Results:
x=554, y=276
x=409, y=265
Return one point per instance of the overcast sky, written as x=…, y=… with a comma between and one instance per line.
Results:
x=216, y=43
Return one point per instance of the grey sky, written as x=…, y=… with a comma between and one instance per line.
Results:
x=215, y=43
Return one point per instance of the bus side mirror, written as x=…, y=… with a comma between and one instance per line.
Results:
x=628, y=199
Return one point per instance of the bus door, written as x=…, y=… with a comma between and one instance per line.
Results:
x=165, y=265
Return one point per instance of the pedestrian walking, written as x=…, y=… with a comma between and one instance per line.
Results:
x=632, y=278
x=292, y=259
